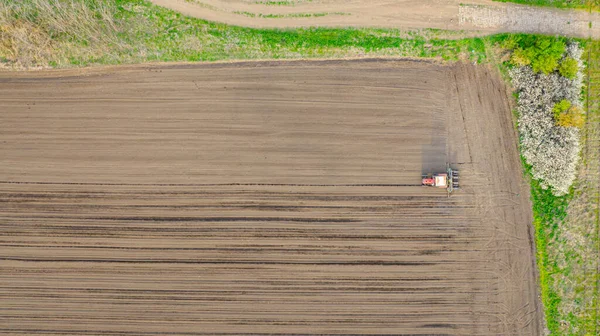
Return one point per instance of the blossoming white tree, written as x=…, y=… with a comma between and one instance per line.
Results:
x=551, y=150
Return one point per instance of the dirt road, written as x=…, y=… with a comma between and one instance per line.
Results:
x=480, y=16
x=262, y=198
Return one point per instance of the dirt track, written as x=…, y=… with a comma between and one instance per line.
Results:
x=262, y=198
x=479, y=17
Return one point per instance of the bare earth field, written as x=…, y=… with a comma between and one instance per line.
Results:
x=262, y=198
x=474, y=17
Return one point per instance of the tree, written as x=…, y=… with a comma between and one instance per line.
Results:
x=567, y=115
x=520, y=57
x=543, y=53
x=568, y=68
x=561, y=107
x=550, y=47
x=544, y=63
x=571, y=120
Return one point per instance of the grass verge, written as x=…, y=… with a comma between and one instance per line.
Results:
x=548, y=213
x=61, y=33
x=567, y=230
x=580, y=4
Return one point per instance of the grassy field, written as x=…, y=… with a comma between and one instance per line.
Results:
x=567, y=231
x=55, y=33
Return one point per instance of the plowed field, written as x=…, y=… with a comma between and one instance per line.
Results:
x=262, y=198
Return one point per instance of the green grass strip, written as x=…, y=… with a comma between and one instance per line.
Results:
x=170, y=32
x=576, y=4
x=548, y=212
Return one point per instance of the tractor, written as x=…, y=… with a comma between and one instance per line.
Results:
x=447, y=180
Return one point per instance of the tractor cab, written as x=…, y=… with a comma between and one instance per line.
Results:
x=436, y=180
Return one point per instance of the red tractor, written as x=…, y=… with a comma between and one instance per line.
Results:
x=447, y=180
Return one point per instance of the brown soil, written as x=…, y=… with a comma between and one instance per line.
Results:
x=262, y=198
x=479, y=17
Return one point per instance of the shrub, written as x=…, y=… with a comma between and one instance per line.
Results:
x=573, y=117
x=568, y=68
x=561, y=107
x=511, y=42
x=566, y=115
x=520, y=57
x=544, y=63
x=542, y=52
x=571, y=120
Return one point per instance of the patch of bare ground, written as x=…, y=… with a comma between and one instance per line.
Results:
x=481, y=17
x=263, y=198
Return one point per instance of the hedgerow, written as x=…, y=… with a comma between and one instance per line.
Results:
x=549, y=109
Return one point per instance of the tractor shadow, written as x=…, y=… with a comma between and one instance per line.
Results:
x=433, y=155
